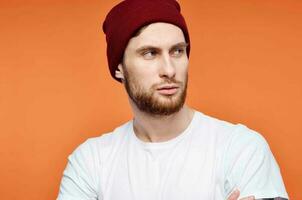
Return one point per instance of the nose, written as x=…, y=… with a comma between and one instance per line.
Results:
x=167, y=69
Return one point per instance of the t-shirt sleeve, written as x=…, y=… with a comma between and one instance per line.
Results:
x=251, y=167
x=79, y=181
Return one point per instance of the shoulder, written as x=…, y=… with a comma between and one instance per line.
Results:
x=244, y=138
x=216, y=126
x=230, y=132
x=85, y=165
x=97, y=147
x=227, y=137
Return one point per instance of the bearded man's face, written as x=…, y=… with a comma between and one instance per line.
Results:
x=155, y=69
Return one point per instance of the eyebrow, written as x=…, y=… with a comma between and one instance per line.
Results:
x=150, y=47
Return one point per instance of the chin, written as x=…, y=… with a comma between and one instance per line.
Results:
x=168, y=101
x=167, y=98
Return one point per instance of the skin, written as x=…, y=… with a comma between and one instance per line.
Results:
x=153, y=69
x=152, y=60
x=235, y=195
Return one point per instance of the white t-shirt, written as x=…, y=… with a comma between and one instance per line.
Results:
x=207, y=161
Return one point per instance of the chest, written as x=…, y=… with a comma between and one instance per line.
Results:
x=186, y=171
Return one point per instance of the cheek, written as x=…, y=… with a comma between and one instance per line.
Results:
x=144, y=70
x=182, y=68
x=142, y=78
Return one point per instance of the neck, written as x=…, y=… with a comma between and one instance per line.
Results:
x=150, y=128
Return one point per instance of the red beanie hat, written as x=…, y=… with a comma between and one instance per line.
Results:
x=126, y=18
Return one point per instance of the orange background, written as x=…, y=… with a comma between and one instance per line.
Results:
x=55, y=88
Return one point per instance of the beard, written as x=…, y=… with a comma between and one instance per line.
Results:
x=149, y=102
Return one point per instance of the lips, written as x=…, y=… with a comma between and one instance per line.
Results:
x=168, y=89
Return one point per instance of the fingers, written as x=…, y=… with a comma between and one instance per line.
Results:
x=248, y=198
x=234, y=195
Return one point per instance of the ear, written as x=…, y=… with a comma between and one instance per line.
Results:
x=119, y=73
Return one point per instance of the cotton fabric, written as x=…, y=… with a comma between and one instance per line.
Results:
x=207, y=161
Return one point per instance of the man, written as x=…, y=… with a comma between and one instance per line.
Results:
x=169, y=151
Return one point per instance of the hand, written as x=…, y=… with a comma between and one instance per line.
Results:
x=235, y=195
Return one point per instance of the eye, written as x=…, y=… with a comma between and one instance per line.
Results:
x=149, y=54
x=177, y=52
